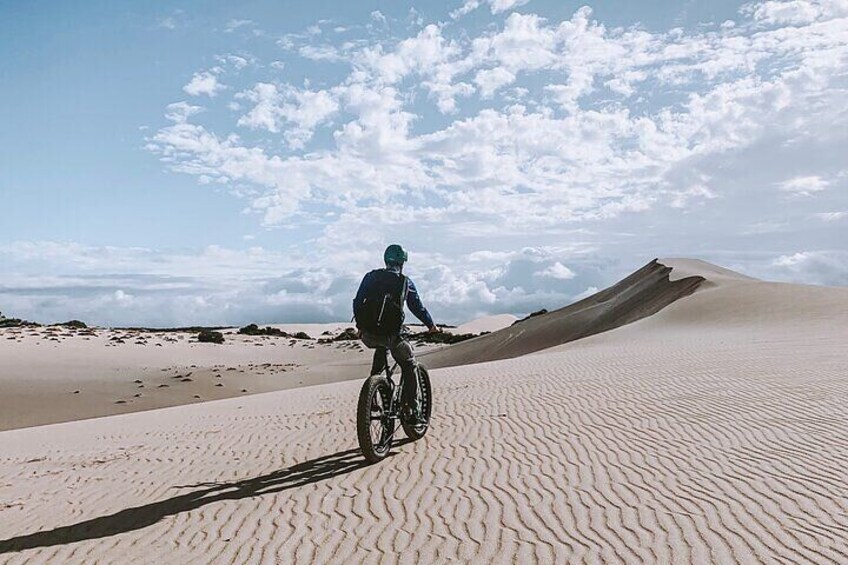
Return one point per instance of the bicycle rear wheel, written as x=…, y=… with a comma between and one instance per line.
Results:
x=374, y=426
x=416, y=431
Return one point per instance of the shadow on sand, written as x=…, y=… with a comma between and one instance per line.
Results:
x=139, y=517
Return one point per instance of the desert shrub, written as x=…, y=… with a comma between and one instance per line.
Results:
x=253, y=329
x=443, y=337
x=347, y=335
x=531, y=315
x=210, y=336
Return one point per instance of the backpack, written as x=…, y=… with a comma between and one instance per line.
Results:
x=381, y=310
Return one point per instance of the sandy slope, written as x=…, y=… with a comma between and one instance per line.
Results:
x=56, y=374
x=642, y=293
x=714, y=431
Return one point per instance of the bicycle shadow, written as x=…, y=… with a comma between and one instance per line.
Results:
x=138, y=517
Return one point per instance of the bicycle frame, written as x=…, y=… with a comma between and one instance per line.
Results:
x=396, y=387
x=392, y=410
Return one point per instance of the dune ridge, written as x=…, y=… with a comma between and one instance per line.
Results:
x=640, y=294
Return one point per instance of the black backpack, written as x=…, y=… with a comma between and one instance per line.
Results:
x=381, y=311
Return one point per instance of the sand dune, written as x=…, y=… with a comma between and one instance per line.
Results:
x=641, y=294
x=711, y=432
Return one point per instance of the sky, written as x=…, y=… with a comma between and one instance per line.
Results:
x=177, y=163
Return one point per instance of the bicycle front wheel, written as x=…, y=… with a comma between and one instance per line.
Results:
x=374, y=425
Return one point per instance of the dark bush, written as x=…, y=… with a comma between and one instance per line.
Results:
x=74, y=324
x=443, y=337
x=347, y=335
x=17, y=323
x=253, y=329
x=531, y=315
x=209, y=336
x=301, y=335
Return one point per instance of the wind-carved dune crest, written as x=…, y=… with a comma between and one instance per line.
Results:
x=639, y=295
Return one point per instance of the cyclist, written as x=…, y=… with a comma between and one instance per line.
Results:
x=379, y=315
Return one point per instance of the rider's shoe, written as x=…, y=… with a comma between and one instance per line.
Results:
x=413, y=414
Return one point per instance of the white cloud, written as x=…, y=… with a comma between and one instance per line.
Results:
x=795, y=12
x=204, y=82
x=238, y=62
x=498, y=6
x=832, y=216
x=235, y=24
x=217, y=285
x=804, y=186
x=536, y=126
x=586, y=293
x=490, y=80
x=179, y=112
x=818, y=267
x=302, y=109
x=558, y=271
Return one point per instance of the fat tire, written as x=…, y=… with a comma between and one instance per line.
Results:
x=417, y=432
x=373, y=385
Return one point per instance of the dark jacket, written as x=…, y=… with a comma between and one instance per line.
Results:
x=413, y=300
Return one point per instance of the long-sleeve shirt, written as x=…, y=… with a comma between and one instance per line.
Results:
x=413, y=299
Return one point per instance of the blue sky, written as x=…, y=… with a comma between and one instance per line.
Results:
x=228, y=162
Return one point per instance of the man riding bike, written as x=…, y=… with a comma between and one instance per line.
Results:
x=378, y=310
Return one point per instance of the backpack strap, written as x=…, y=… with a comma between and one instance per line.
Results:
x=403, y=291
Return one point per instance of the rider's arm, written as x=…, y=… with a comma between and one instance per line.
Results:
x=413, y=301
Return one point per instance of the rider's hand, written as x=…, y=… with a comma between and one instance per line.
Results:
x=434, y=330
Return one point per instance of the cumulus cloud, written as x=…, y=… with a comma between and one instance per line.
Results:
x=533, y=130
x=495, y=6
x=205, y=82
x=216, y=285
x=234, y=24
x=819, y=267
x=832, y=216
x=302, y=110
x=566, y=155
x=498, y=6
x=804, y=186
x=180, y=112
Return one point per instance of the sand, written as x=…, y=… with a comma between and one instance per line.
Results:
x=711, y=432
x=56, y=374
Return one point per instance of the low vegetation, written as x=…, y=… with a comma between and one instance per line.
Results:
x=210, y=336
x=531, y=315
x=253, y=329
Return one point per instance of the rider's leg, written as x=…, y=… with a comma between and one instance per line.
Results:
x=402, y=353
x=378, y=363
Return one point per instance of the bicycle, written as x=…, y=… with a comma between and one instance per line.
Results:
x=380, y=407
